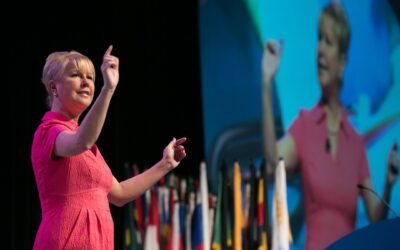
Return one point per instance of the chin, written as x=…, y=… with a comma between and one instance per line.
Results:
x=322, y=82
x=85, y=104
x=86, y=101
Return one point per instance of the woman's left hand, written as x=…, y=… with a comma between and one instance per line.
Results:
x=174, y=152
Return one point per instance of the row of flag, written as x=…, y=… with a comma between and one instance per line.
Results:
x=181, y=214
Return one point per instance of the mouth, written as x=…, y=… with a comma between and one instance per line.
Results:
x=322, y=66
x=84, y=93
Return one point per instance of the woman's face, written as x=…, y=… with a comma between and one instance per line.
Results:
x=75, y=89
x=330, y=62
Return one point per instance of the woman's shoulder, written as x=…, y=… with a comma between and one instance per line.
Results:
x=52, y=121
x=314, y=113
x=53, y=118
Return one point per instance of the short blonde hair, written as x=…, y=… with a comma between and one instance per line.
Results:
x=56, y=64
x=342, y=30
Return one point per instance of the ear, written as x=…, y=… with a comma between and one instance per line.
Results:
x=52, y=87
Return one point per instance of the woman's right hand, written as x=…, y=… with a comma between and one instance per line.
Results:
x=270, y=61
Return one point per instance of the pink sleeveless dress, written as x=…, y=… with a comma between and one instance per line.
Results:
x=73, y=192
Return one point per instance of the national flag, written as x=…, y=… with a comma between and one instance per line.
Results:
x=175, y=238
x=226, y=203
x=130, y=236
x=252, y=223
x=197, y=233
x=138, y=209
x=238, y=212
x=280, y=215
x=212, y=199
x=205, y=206
x=216, y=239
x=152, y=240
x=246, y=203
x=183, y=207
x=262, y=232
x=163, y=204
x=266, y=226
x=189, y=214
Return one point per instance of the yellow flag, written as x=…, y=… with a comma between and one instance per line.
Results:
x=238, y=220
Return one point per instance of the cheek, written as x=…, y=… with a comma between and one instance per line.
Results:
x=92, y=86
x=333, y=58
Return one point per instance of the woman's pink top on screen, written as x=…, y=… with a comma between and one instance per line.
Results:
x=329, y=184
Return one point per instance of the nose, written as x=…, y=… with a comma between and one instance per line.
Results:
x=84, y=81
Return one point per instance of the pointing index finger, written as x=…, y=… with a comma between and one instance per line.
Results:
x=180, y=141
x=108, y=51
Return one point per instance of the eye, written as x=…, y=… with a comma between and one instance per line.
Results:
x=90, y=77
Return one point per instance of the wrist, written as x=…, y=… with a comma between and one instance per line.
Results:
x=107, y=90
x=165, y=165
x=267, y=80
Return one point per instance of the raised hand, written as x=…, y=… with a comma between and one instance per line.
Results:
x=174, y=152
x=270, y=61
x=110, y=69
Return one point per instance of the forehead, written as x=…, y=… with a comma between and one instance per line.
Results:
x=79, y=65
x=327, y=25
x=326, y=21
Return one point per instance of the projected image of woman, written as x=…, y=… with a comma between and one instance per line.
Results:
x=322, y=144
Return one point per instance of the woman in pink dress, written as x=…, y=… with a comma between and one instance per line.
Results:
x=74, y=182
x=322, y=144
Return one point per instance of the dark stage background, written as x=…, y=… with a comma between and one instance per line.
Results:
x=158, y=97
